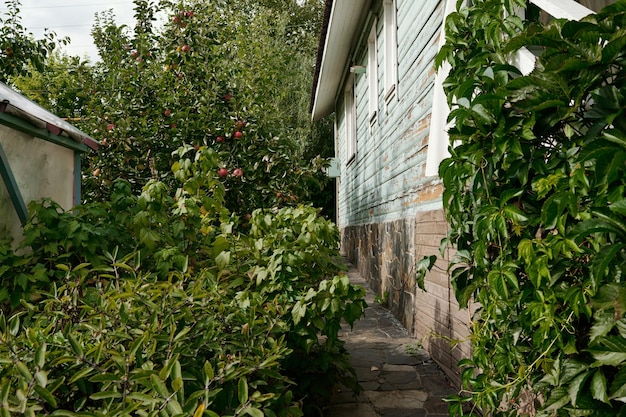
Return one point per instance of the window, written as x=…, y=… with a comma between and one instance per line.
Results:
x=543, y=11
x=372, y=73
x=350, y=120
x=391, y=49
x=524, y=60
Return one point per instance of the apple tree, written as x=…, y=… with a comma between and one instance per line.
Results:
x=19, y=50
x=215, y=75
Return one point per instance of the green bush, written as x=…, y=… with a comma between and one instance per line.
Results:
x=168, y=304
x=535, y=198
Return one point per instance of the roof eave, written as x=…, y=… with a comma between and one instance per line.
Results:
x=344, y=23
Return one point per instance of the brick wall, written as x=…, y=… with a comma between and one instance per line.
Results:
x=386, y=254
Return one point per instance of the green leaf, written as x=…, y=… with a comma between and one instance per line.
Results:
x=558, y=398
x=208, y=371
x=14, y=325
x=602, y=261
x=298, y=311
x=612, y=355
x=81, y=374
x=251, y=411
x=46, y=396
x=222, y=260
x=575, y=387
x=145, y=398
x=242, y=390
x=76, y=347
x=159, y=386
x=105, y=395
x=615, y=136
x=618, y=386
x=599, y=386
x=63, y=413
x=619, y=207
x=40, y=355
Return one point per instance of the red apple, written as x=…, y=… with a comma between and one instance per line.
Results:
x=185, y=48
x=238, y=172
x=222, y=172
x=227, y=97
x=239, y=124
x=110, y=126
x=219, y=139
x=167, y=113
x=237, y=135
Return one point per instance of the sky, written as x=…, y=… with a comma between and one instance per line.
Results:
x=73, y=18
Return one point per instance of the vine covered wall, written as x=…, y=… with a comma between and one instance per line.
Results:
x=535, y=198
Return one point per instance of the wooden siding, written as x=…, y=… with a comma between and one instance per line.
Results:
x=386, y=180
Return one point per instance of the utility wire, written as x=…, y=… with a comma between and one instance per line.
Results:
x=73, y=5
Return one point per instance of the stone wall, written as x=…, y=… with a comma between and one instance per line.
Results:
x=386, y=254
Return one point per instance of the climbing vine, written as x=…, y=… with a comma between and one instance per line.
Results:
x=535, y=199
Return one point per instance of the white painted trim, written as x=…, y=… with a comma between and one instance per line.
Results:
x=391, y=48
x=372, y=71
x=438, y=135
x=563, y=9
x=524, y=60
x=350, y=119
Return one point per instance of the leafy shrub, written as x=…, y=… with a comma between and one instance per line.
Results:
x=534, y=194
x=168, y=304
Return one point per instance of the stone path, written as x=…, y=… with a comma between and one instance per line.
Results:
x=398, y=378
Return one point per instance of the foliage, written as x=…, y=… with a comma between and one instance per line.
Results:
x=534, y=194
x=62, y=86
x=19, y=50
x=233, y=76
x=160, y=304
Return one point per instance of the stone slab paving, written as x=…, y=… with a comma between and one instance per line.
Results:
x=399, y=379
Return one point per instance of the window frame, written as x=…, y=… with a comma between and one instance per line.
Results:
x=372, y=72
x=523, y=59
x=391, y=49
x=349, y=105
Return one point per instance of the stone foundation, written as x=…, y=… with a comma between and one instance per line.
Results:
x=386, y=255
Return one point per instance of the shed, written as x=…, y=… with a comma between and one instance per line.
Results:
x=40, y=157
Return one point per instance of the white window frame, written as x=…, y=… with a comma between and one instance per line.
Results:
x=523, y=59
x=391, y=48
x=372, y=72
x=349, y=103
x=438, y=136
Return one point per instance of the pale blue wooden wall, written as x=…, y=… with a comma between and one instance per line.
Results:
x=386, y=180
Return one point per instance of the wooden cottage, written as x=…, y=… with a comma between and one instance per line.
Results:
x=40, y=157
x=375, y=72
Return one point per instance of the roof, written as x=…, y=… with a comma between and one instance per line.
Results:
x=17, y=105
x=341, y=28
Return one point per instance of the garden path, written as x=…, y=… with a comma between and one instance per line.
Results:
x=399, y=379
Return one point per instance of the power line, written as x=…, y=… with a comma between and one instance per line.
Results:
x=73, y=5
